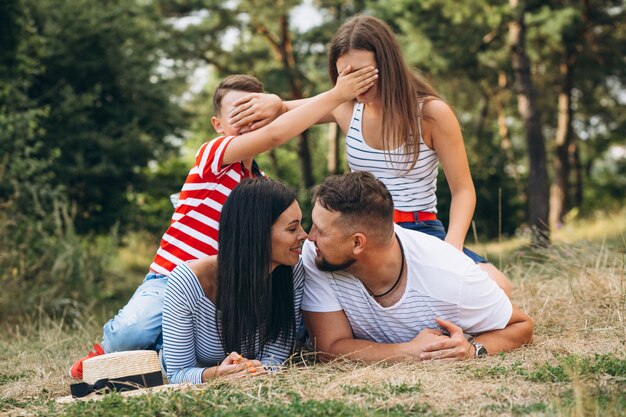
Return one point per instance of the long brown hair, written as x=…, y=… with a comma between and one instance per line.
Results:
x=401, y=88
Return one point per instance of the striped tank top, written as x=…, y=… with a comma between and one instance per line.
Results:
x=412, y=190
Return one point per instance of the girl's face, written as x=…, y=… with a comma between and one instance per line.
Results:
x=357, y=59
x=287, y=237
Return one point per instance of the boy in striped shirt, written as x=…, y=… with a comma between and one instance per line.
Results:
x=219, y=166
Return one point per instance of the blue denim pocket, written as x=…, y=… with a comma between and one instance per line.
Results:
x=430, y=227
x=153, y=275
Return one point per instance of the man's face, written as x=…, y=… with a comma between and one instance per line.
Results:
x=220, y=122
x=333, y=245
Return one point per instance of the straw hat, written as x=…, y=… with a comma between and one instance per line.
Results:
x=119, y=371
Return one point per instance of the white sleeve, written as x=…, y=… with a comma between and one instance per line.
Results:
x=483, y=306
x=319, y=295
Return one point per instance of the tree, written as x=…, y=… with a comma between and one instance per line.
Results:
x=109, y=101
x=538, y=194
x=24, y=179
x=260, y=38
x=462, y=48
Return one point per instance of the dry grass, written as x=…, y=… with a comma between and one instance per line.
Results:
x=575, y=293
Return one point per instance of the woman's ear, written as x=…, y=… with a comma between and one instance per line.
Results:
x=217, y=124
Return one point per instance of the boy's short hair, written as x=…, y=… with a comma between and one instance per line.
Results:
x=237, y=82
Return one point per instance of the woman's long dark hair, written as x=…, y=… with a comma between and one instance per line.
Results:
x=254, y=307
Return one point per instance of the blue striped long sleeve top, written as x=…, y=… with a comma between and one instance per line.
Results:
x=191, y=342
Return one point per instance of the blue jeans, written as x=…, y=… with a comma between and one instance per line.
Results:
x=435, y=228
x=138, y=324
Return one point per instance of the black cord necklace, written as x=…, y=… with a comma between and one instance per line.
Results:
x=397, y=280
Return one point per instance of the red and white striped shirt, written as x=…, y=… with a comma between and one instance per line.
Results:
x=192, y=233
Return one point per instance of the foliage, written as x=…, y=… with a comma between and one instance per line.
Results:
x=48, y=266
x=44, y=261
x=93, y=103
x=109, y=109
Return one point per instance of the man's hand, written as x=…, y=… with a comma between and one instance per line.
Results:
x=451, y=348
x=255, y=110
x=415, y=347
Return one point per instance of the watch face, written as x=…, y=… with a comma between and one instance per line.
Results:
x=481, y=351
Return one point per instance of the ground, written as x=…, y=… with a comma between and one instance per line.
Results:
x=575, y=291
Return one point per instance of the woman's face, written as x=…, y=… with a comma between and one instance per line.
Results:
x=357, y=59
x=287, y=237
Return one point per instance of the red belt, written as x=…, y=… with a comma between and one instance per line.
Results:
x=412, y=216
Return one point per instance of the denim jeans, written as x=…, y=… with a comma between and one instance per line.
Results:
x=138, y=324
x=435, y=228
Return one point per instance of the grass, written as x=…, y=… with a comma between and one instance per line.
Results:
x=575, y=291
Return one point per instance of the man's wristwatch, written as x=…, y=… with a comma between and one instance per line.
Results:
x=479, y=350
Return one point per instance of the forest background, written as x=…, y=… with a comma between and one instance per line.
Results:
x=103, y=105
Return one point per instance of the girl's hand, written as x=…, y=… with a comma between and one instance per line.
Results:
x=351, y=84
x=255, y=110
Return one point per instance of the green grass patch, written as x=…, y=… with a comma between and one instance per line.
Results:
x=381, y=390
x=592, y=401
x=222, y=401
x=580, y=400
x=518, y=409
x=572, y=365
x=563, y=371
x=6, y=378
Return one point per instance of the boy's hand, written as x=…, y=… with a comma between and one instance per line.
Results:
x=351, y=84
x=255, y=110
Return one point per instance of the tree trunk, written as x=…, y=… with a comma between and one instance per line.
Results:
x=559, y=191
x=275, y=165
x=305, y=160
x=482, y=115
x=283, y=51
x=503, y=130
x=578, y=174
x=538, y=192
x=506, y=144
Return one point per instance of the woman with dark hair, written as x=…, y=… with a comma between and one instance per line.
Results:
x=236, y=312
x=399, y=130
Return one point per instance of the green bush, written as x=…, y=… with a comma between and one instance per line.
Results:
x=45, y=265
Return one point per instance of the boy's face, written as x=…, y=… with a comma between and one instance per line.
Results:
x=220, y=122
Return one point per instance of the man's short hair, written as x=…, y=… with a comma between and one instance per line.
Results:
x=363, y=202
x=237, y=82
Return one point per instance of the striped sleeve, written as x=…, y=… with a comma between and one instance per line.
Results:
x=181, y=297
x=210, y=156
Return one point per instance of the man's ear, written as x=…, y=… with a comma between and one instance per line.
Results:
x=359, y=242
x=217, y=124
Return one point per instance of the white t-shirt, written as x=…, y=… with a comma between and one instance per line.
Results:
x=441, y=282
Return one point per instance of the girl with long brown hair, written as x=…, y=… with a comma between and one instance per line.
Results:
x=399, y=130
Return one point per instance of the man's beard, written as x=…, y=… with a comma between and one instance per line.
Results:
x=324, y=265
